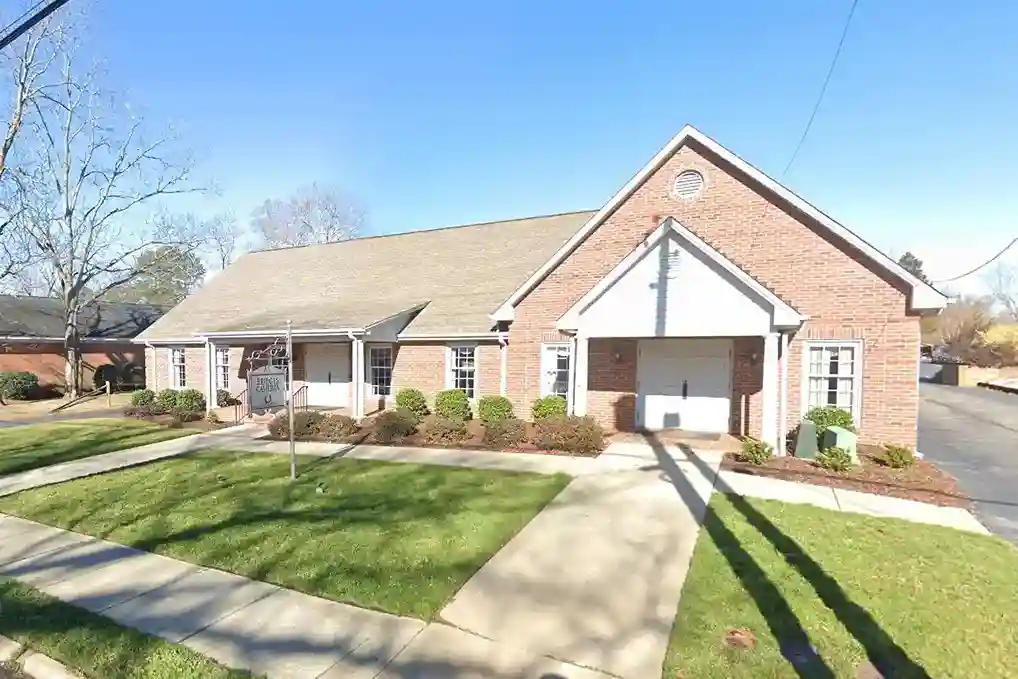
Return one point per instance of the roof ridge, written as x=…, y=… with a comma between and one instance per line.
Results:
x=433, y=230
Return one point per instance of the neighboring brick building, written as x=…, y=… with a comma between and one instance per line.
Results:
x=32, y=330
x=703, y=296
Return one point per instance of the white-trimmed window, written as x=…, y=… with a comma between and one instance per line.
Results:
x=380, y=370
x=833, y=375
x=223, y=368
x=178, y=368
x=461, y=372
x=556, y=363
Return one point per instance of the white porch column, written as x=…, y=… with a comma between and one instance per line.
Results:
x=357, y=357
x=769, y=423
x=783, y=396
x=503, y=366
x=581, y=360
x=210, y=376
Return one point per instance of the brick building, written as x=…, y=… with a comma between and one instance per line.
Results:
x=703, y=295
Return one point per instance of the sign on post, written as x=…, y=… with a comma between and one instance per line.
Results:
x=266, y=388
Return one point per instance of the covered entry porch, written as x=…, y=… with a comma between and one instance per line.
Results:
x=676, y=336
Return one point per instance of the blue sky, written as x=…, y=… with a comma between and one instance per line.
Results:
x=445, y=112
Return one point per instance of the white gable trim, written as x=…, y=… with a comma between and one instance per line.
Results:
x=923, y=297
x=784, y=315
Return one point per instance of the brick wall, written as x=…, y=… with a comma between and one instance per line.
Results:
x=46, y=360
x=841, y=292
x=422, y=366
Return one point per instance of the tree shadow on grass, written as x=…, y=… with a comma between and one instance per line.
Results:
x=881, y=650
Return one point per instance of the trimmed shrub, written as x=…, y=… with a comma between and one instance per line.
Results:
x=167, y=399
x=187, y=415
x=505, y=433
x=834, y=459
x=212, y=418
x=337, y=427
x=393, y=426
x=190, y=400
x=145, y=397
x=549, y=406
x=225, y=398
x=577, y=435
x=756, y=452
x=444, y=430
x=414, y=401
x=829, y=416
x=305, y=425
x=453, y=404
x=150, y=410
x=18, y=386
x=898, y=457
x=494, y=409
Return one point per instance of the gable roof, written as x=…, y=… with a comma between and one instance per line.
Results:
x=783, y=316
x=457, y=274
x=43, y=317
x=924, y=296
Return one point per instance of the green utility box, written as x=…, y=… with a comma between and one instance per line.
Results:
x=842, y=438
x=806, y=441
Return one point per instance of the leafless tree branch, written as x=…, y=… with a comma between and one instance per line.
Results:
x=312, y=215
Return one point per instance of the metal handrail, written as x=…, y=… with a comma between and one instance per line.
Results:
x=240, y=407
x=300, y=399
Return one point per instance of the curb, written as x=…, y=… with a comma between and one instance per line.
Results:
x=36, y=665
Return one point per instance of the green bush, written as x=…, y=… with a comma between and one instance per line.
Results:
x=393, y=426
x=494, y=409
x=145, y=397
x=453, y=404
x=549, y=406
x=305, y=425
x=167, y=399
x=212, y=418
x=18, y=386
x=505, y=433
x=190, y=400
x=834, y=459
x=414, y=401
x=335, y=428
x=144, y=411
x=444, y=430
x=577, y=435
x=829, y=416
x=187, y=415
x=898, y=457
x=225, y=398
x=756, y=452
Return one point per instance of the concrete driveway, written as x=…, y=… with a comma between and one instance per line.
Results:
x=972, y=433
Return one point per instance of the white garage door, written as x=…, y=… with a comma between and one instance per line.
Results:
x=327, y=374
x=684, y=384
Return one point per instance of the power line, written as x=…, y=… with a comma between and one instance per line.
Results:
x=823, y=89
x=991, y=260
x=34, y=17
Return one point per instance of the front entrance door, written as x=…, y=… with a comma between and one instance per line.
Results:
x=684, y=384
x=327, y=374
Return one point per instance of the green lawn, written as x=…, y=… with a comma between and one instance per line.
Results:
x=97, y=646
x=40, y=445
x=917, y=601
x=397, y=537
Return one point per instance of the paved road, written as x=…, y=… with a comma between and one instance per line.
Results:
x=973, y=435
x=68, y=416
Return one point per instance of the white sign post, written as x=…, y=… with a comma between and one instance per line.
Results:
x=289, y=400
x=271, y=386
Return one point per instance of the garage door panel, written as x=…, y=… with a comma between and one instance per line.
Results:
x=684, y=384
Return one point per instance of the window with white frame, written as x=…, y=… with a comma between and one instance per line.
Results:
x=556, y=362
x=178, y=368
x=461, y=369
x=223, y=368
x=833, y=375
x=380, y=370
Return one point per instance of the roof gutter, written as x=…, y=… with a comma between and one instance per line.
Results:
x=257, y=334
x=448, y=336
x=29, y=339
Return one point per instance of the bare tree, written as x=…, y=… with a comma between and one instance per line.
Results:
x=91, y=188
x=24, y=68
x=223, y=236
x=311, y=215
x=1002, y=281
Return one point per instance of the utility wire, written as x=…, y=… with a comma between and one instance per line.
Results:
x=991, y=260
x=34, y=15
x=823, y=89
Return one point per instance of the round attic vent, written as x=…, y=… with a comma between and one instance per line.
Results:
x=688, y=184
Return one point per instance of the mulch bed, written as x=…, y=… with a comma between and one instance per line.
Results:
x=201, y=425
x=474, y=441
x=922, y=482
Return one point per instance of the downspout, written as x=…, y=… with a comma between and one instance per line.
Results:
x=783, y=398
x=503, y=375
x=571, y=395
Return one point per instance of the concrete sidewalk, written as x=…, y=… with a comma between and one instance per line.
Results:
x=58, y=473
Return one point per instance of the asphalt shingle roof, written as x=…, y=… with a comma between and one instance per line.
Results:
x=44, y=317
x=459, y=274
